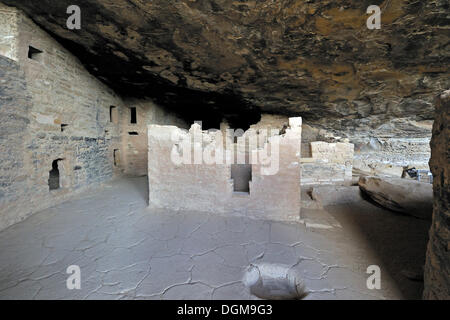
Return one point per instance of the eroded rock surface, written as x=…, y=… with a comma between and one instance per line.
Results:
x=401, y=195
x=316, y=59
x=437, y=270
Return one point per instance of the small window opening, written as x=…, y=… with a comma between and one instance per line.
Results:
x=133, y=115
x=63, y=127
x=241, y=175
x=116, y=157
x=34, y=54
x=133, y=133
x=53, y=180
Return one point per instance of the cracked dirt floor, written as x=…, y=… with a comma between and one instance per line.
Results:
x=126, y=251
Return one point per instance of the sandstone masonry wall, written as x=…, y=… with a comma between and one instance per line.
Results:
x=329, y=163
x=383, y=150
x=51, y=109
x=135, y=138
x=8, y=32
x=437, y=268
x=54, y=111
x=203, y=186
x=15, y=105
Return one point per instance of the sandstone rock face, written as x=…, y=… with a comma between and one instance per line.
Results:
x=437, y=269
x=401, y=195
x=316, y=59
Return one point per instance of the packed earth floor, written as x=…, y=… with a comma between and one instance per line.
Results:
x=127, y=251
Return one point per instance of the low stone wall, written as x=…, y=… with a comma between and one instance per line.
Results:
x=437, y=269
x=330, y=163
x=382, y=150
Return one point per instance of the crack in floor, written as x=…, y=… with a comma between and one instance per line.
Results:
x=127, y=251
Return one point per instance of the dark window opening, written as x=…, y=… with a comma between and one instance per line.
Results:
x=116, y=157
x=133, y=115
x=63, y=127
x=53, y=180
x=133, y=133
x=34, y=54
x=241, y=175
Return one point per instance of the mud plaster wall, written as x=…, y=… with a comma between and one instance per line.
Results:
x=437, y=268
x=209, y=187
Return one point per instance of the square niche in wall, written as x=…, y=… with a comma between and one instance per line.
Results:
x=113, y=114
x=34, y=54
x=241, y=174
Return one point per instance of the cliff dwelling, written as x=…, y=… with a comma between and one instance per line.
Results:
x=220, y=150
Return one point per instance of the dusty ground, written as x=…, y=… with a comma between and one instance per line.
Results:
x=126, y=251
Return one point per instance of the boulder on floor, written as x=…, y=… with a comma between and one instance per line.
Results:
x=401, y=195
x=334, y=195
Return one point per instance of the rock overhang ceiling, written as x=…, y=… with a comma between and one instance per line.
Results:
x=235, y=59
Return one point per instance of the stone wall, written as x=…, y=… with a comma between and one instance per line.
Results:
x=384, y=150
x=15, y=105
x=322, y=162
x=206, y=185
x=135, y=139
x=8, y=32
x=437, y=269
x=54, y=111
x=51, y=110
x=271, y=121
x=329, y=163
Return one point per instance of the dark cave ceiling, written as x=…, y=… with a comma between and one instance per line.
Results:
x=236, y=58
